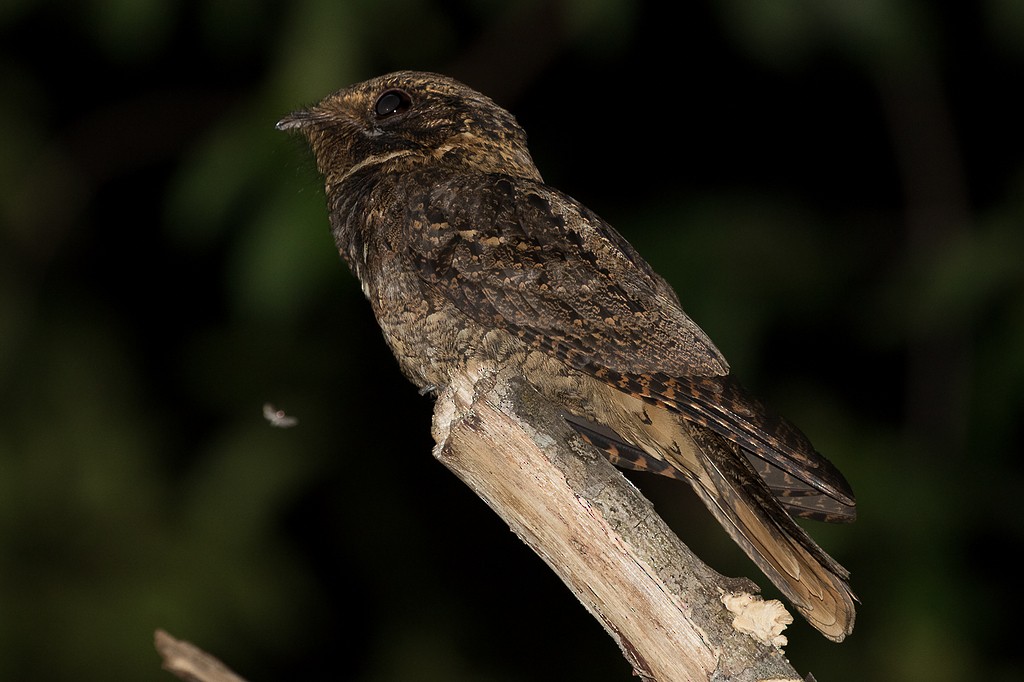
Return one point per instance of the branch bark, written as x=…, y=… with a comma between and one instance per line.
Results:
x=658, y=601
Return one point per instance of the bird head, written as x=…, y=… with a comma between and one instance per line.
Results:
x=407, y=118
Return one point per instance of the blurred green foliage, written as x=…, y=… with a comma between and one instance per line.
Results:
x=836, y=191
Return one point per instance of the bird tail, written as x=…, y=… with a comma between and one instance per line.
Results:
x=815, y=583
x=748, y=509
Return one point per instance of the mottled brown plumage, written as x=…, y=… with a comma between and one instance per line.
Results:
x=468, y=257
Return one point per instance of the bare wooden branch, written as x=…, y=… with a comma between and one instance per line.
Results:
x=189, y=662
x=674, y=618
x=656, y=599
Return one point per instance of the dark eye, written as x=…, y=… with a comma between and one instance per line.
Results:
x=392, y=102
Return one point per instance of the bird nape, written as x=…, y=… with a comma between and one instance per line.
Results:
x=466, y=256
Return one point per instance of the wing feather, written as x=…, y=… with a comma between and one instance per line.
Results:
x=518, y=255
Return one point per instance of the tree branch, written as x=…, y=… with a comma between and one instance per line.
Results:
x=189, y=662
x=657, y=600
x=673, y=617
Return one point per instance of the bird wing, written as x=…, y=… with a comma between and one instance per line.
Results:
x=518, y=255
x=805, y=483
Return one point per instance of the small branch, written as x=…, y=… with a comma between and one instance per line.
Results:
x=189, y=662
x=657, y=600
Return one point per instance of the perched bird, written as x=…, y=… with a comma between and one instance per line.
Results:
x=466, y=256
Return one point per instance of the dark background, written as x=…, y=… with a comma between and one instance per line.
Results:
x=835, y=189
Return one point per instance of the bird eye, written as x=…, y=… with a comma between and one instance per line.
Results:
x=392, y=102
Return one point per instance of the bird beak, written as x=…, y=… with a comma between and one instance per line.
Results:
x=297, y=119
